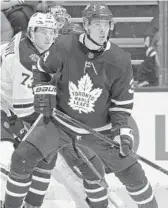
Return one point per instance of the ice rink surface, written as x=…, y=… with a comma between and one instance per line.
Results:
x=58, y=196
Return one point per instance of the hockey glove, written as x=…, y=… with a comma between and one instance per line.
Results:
x=45, y=99
x=14, y=126
x=125, y=138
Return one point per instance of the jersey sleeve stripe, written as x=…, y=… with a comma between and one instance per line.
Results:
x=28, y=105
x=4, y=170
x=120, y=110
x=22, y=112
x=125, y=102
x=23, y=101
x=127, y=106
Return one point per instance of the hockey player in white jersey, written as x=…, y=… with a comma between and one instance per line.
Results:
x=21, y=53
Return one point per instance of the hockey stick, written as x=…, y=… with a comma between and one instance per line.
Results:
x=105, y=138
x=113, y=198
x=32, y=127
x=28, y=131
x=27, y=134
x=80, y=153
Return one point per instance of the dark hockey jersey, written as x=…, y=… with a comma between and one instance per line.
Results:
x=94, y=90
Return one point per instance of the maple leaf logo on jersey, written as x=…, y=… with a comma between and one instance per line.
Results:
x=83, y=97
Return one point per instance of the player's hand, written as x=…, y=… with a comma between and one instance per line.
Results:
x=14, y=126
x=44, y=99
x=17, y=127
x=125, y=138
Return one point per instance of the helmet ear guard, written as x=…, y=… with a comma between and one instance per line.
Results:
x=112, y=23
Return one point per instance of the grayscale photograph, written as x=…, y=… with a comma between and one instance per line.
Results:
x=84, y=104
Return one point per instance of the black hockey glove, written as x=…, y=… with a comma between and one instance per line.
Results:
x=125, y=138
x=44, y=93
x=44, y=99
x=14, y=126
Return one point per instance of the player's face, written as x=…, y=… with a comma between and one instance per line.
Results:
x=99, y=30
x=44, y=37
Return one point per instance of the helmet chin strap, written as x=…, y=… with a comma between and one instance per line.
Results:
x=88, y=36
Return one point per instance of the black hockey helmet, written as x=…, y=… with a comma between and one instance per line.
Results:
x=96, y=10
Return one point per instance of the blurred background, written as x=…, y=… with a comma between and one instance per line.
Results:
x=141, y=28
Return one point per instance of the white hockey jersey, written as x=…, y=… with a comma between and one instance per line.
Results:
x=16, y=76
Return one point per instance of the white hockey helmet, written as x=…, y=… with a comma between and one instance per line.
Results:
x=42, y=20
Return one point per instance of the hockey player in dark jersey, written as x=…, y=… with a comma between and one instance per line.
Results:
x=96, y=88
x=20, y=55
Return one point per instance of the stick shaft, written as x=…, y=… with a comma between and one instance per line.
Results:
x=32, y=127
x=153, y=165
x=106, y=139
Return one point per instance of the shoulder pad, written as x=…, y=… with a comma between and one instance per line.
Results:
x=116, y=56
x=66, y=42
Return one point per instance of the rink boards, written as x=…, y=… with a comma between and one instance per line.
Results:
x=151, y=115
